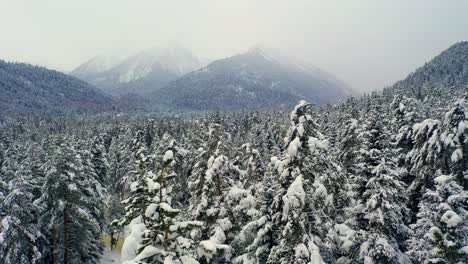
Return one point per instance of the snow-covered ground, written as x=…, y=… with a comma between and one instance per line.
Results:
x=110, y=257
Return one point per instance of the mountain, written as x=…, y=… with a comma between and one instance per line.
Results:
x=141, y=73
x=257, y=79
x=446, y=73
x=31, y=89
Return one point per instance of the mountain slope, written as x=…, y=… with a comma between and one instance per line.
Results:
x=448, y=70
x=141, y=73
x=25, y=89
x=252, y=80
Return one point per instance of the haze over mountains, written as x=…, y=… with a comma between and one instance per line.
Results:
x=175, y=80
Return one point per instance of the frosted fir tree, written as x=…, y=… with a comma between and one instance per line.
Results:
x=455, y=138
x=120, y=164
x=379, y=212
x=138, y=199
x=307, y=157
x=441, y=202
x=211, y=210
x=253, y=165
x=141, y=159
x=423, y=161
x=14, y=154
x=296, y=244
x=441, y=227
x=405, y=114
x=94, y=197
x=3, y=194
x=136, y=203
x=383, y=214
x=99, y=160
x=373, y=140
x=209, y=180
x=165, y=240
x=241, y=209
x=180, y=183
x=213, y=147
x=256, y=236
x=21, y=240
x=348, y=143
x=71, y=208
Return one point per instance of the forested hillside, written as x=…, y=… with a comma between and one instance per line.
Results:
x=29, y=89
x=378, y=179
x=259, y=79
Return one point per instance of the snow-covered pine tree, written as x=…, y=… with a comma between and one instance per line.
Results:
x=256, y=237
x=120, y=164
x=70, y=207
x=423, y=161
x=441, y=218
x=348, y=144
x=165, y=240
x=252, y=163
x=209, y=181
x=135, y=204
x=380, y=209
x=99, y=160
x=21, y=240
x=94, y=194
x=117, y=189
x=455, y=138
x=138, y=198
x=405, y=115
x=306, y=158
x=441, y=227
x=384, y=211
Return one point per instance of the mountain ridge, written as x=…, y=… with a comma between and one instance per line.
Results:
x=447, y=70
x=255, y=79
x=25, y=88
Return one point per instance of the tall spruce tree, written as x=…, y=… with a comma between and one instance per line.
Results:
x=165, y=240
x=307, y=158
x=21, y=240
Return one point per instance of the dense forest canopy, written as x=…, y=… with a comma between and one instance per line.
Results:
x=376, y=179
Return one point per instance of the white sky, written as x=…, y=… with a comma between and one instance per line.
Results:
x=367, y=43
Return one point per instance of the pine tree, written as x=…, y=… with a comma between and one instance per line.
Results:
x=348, y=144
x=384, y=213
x=20, y=237
x=455, y=138
x=440, y=217
x=296, y=244
x=164, y=240
x=307, y=158
x=72, y=208
x=405, y=115
x=207, y=184
x=99, y=160
x=138, y=198
x=257, y=236
x=441, y=228
x=380, y=209
x=423, y=161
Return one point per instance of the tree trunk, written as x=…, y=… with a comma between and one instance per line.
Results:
x=54, y=246
x=65, y=237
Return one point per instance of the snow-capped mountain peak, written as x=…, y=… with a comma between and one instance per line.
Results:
x=141, y=72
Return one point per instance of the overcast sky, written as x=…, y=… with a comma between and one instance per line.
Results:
x=366, y=43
